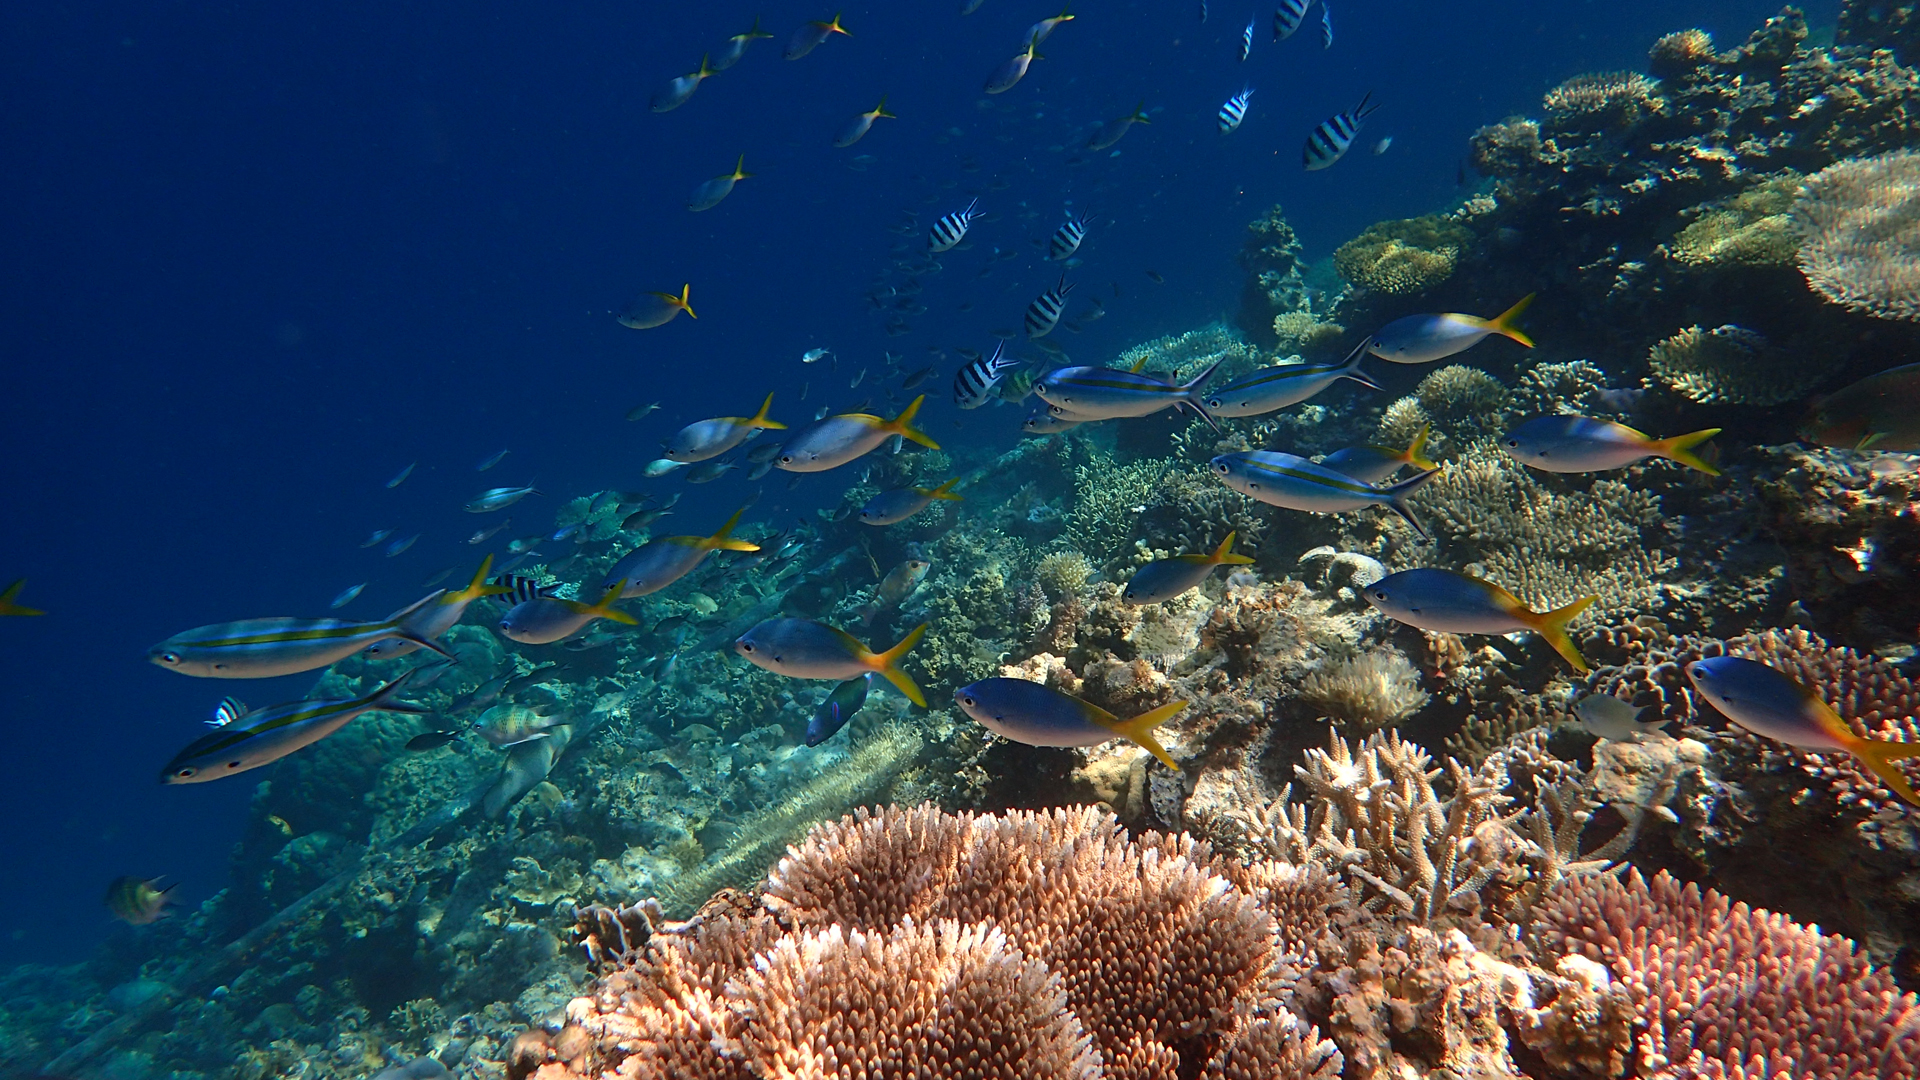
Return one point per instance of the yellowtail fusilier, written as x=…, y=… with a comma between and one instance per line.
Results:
x=1044, y=29
x=808, y=37
x=1455, y=603
x=677, y=91
x=1277, y=387
x=1067, y=238
x=858, y=127
x=708, y=195
x=1165, y=579
x=437, y=614
x=804, y=649
x=1044, y=421
x=1044, y=313
x=1097, y=393
x=1114, y=130
x=263, y=736
x=1235, y=110
x=401, y=477
x=836, y=440
x=546, y=619
x=1373, y=464
x=8, y=604
x=1577, y=444
x=1422, y=339
x=736, y=46
x=1295, y=483
x=952, y=229
x=264, y=648
x=1036, y=715
x=1328, y=142
x=138, y=901
x=1010, y=73
x=499, y=498
x=890, y=507
x=1769, y=703
x=659, y=563
x=833, y=713
x=711, y=438
x=657, y=309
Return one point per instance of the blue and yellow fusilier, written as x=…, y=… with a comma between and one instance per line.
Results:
x=1298, y=484
x=710, y=194
x=711, y=438
x=259, y=737
x=436, y=614
x=1577, y=444
x=1422, y=339
x=1277, y=387
x=1373, y=464
x=1036, y=715
x=546, y=619
x=659, y=563
x=1454, y=603
x=804, y=649
x=837, y=440
x=264, y=648
x=890, y=507
x=1767, y=702
x=1097, y=393
x=8, y=606
x=657, y=309
x=1165, y=579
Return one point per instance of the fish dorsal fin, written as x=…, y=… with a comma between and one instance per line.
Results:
x=229, y=710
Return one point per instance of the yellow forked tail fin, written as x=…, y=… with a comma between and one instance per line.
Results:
x=1879, y=757
x=7, y=605
x=759, y=419
x=1680, y=449
x=888, y=665
x=902, y=425
x=724, y=541
x=1417, y=451
x=1503, y=322
x=686, y=300
x=604, y=609
x=1552, y=625
x=1139, y=730
x=478, y=587
x=944, y=491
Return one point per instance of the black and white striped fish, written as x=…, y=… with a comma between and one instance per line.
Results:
x=229, y=710
x=519, y=590
x=1066, y=238
x=952, y=229
x=1246, y=42
x=1044, y=313
x=1288, y=17
x=1234, y=111
x=1326, y=25
x=973, y=384
x=1331, y=138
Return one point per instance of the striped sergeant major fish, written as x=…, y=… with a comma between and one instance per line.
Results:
x=1295, y=483
x=1332, y=137
x=518, y=590
x=1326, y=25
x=1277, y=387
x=1246, y=42
x=1066, y=239
x=1288, y=17
x=264, y=648
x=952, y=229
x=1234, y=111
x=1096, y=393
x=257, y=737
x=974, y=383
x=1045, y=311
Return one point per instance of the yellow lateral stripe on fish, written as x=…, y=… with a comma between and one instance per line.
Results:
x=282, y=636
x=1324, y=481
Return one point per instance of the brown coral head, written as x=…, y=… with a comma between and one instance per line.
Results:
x=1606, y=101
x=528, y=1051
x=1681, y=53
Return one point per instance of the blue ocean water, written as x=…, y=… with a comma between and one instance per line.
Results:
x=259, y=259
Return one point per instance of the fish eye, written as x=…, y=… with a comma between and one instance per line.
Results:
x=746, y=646
x=1380, y=595
x=1221, y=469
x=184, y=773
x=968, y=701
x=169, y=658
x=233, y=764
x=786, y=459
x=1513, y=443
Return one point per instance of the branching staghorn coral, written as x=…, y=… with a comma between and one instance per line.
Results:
x=1106, y=495
x=1859, y=228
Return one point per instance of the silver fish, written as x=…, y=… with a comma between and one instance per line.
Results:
x=263, y=736
x=264, y=648
x=346, y=596
x=401, y=477
x=481, y=536
x=499, y=498
x=491, y=461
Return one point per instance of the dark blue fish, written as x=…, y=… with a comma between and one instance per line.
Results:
x=833, y=713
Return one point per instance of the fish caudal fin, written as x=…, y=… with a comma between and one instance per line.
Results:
x=888, y=665
x=944, y=491
x=1224, y=554
x=1552, y=625
x=1397, y=499
x=1503, y=322
x=1139, y=731
x=1351, y=369
x=1878, y=756
x=1417, y=450
x=902, y=425
x=685, y=301
x=9, y=607
x=604, y=609
x=759, y=419
x=880, y=110
x=740, y=173
x=477, y=587
x=1680, y=449
x=383, y=698
x=723, y=540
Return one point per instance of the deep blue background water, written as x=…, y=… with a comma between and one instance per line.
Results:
x=257, y=260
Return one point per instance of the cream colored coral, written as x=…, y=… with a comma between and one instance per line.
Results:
x=1731, y=365
x=1859, y=225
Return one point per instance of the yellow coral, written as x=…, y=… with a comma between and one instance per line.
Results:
x=1681, y=52
x=1859, y=222
x=1752, y=229
x=1365, y=692
x=1300, y=332
x=1405, y=256
x=1063, y=574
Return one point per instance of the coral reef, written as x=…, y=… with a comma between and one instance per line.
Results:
x=1404, y=257
x=1732, y=365
x=1859, y=238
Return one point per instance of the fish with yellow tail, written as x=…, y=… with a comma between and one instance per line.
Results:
x=1422, y=339
x=708, y=195
x=736, y=46
x=659, y=563
x=1373, y=464
x=711, y=438
x=1578, y=444
x=890, y=507
x=1097, y=393
x=804, y=649
x=1296, y=483
x=1455, y=603
x=546, y=619
x=1037, y=715
x=836, y=440
x=1008, y=74
x=809, y=37
x=1114, y=130
x=677, y=91
x=858, y=127
x=437, y=614
x=1165, y=579
x=1769, y=703
x=139, y=901
x=657, y=309
x=251, y=738
x=9, y=601
x=1273, y=388
x=264, y=648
